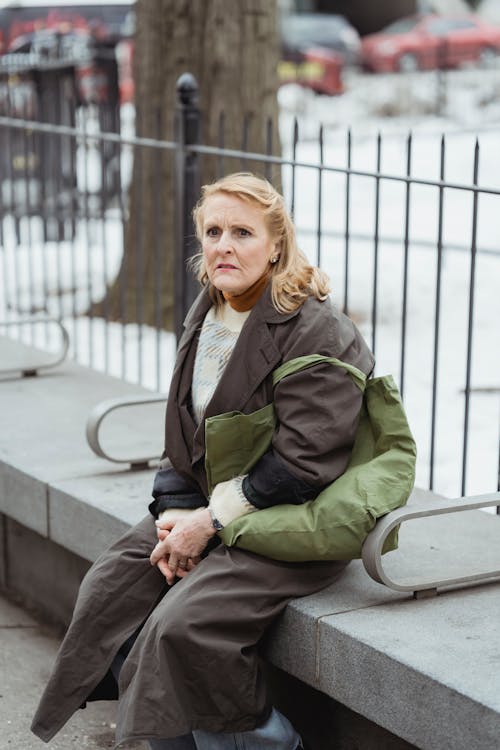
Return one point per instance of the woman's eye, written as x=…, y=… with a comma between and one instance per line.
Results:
x=212, y=232
x=243, y=232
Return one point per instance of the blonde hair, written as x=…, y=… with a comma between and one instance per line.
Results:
x=293, y=279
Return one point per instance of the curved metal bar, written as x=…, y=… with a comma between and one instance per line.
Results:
x=37, y=366
x=101, y=411
x=372, y=548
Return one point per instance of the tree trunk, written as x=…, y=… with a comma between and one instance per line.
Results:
x=232, y=50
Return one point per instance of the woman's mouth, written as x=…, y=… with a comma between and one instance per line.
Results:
x=225, y=267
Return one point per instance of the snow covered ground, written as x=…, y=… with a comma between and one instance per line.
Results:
x=471, y=112
x=68, y=275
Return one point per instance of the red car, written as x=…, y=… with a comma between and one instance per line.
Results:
x=316, y=68
x=426, y=42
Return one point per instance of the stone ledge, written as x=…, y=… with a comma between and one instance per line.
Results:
x=424, y=669
x=401, y=663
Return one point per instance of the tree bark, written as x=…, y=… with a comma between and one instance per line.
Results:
x=232, y=50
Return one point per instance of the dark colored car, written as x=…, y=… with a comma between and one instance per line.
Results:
x=426, y=42
x=107, y=21
x=314, y=49
x=76, y=46
x=96, y=36
x=303, y=31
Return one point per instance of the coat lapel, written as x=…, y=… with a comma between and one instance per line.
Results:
x=254, y=357
x=180, y=426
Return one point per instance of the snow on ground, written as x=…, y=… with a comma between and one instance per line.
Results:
x=71, y=274
x=471, y=113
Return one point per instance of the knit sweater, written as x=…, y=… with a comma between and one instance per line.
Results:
x=218, y=337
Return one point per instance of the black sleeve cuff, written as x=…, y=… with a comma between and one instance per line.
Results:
x=172, y=490
x=270, y=483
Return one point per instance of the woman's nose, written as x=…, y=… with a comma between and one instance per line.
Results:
x=225, y=244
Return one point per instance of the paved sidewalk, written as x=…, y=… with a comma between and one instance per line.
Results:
x=27, y=651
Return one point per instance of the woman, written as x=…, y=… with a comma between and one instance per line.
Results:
x=177, y=615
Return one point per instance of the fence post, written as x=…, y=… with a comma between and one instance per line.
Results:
x=187, y=188
x=442, y=76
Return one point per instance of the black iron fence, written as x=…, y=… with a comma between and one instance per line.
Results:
x=54, y=91
x=411, y=249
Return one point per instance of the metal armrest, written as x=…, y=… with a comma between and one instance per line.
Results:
x=102, y=410
x=372, y=548
x=34, y=365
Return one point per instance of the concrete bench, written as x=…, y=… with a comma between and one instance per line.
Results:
x=17, y=358
x=370, y=667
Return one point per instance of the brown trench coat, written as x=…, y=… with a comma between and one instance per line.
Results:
x=195, y=663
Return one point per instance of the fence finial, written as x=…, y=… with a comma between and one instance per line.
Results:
x=187, y=88
x=187, y=187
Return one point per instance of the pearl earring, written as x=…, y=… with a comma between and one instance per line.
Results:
x=275, y=259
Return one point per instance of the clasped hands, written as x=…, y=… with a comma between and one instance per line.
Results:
x=181, y=542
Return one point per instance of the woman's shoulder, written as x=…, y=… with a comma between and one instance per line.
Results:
x=323, y=309
x=321, y=319
x=320, y=327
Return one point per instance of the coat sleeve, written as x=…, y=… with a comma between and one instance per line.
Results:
x=318, y=413
x=171, y=490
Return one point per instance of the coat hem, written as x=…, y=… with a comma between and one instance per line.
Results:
x=42, y=734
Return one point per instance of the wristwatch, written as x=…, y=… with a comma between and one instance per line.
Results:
x=215, y=521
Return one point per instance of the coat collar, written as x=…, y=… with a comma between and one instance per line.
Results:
x=197, y=312
x=263, y=308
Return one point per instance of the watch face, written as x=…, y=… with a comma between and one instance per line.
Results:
x=215, y=521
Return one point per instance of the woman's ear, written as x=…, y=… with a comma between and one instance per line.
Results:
x=275, y=255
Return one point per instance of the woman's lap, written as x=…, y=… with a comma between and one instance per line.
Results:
x=115, y=597
x=197, y=656
x=195, y=634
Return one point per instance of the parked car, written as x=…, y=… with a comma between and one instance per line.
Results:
x=109, y=20
x=48, y=44
x=317, y=69
x=429, y=41
x=314, y=49
x=303, y=31
x=99, y=35
x=93, y=64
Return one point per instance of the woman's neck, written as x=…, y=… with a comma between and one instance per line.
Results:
x=247, y=299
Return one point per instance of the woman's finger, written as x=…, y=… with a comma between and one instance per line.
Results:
x=173, y=562
x=180, y=572
x=163, y=567
x=158, y=552
x=167, y=524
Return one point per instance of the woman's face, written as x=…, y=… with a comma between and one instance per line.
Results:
x=236, y=244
